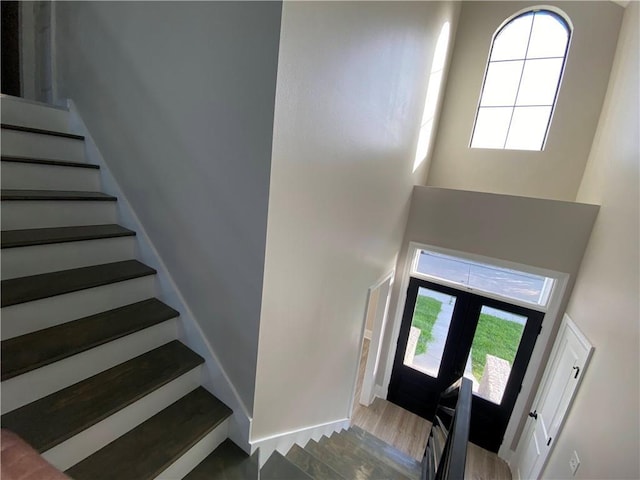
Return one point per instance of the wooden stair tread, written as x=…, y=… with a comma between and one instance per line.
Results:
x=155, y=444
x=46, y=161
x=402, y=462
x=350, y=461
x=42, y=131
x=279, y=468
x=35, y=287
x=33, y=350
x=67, y=195
x=55, y=418
x=227, y=462
x=44, y=236
x=311, y=465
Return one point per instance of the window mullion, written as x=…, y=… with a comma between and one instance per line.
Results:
x=524, y=63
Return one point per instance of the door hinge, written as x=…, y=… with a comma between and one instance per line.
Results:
x=540, y=330
x=549, y=442
x=577, y=369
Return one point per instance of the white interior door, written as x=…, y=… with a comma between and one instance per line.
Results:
x=569, y=358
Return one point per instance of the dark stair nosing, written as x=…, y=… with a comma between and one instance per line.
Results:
x=226, y=462
x=34, y=350
x=44, y=236
x=311, y=465
x=402, y=462
x=151, y=447
x=42, y=131
x=57, y=195
x=279, y=468
x=55, y=418
x=44, y=285
x=46, y=161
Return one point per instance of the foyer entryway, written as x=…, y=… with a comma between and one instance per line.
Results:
x=408, y=432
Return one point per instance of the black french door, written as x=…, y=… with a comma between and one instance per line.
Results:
x=447, y=333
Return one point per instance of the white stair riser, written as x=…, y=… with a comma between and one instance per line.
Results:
x=31, y=176
x=36, y=145
x=70, y=452
x=31, y=386
x=38, y=314
x=25, y=261
x=18, y=214
x=196, y=454
x=19, y=112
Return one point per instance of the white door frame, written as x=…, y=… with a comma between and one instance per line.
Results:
x=369, y=389
x=569, y=334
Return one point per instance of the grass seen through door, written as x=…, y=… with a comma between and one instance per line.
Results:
x=424, y=316
x=494, y=336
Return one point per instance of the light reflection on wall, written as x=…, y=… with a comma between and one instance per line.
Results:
x=433, y=93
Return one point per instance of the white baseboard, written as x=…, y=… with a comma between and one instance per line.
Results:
x=282, y=442
x=216, y=379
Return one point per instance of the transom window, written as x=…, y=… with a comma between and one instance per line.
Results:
x=499, y=282
x=521, y=82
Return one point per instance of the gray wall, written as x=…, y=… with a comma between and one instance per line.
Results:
x=603, y=423
x=179, y=97
x=556, y=172
x=352, y=82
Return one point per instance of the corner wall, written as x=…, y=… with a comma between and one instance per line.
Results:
x=352, y=81
x=179, y=98
x=603, y=425
x=554, y=173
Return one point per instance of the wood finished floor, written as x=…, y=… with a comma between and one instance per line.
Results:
x=408, y=432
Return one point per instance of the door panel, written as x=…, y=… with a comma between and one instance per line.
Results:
x=418, y=377
x=569, y=359
x=447, y=333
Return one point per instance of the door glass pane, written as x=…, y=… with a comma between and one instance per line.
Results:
x=429, y=328
x=493, y=351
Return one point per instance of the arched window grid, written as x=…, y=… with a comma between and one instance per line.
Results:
x=529, y=12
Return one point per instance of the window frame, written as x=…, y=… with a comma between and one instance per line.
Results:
x=564, y=19
x=552, y=283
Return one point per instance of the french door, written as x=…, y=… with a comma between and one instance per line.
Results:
x=447, y=333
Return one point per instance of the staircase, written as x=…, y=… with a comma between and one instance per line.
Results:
x=347, y=455
x=93, y=374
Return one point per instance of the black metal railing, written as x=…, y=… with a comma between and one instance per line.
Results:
x=446, y=452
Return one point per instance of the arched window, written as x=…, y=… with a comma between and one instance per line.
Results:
x=521, y=82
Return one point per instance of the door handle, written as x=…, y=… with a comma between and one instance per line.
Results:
x=534, y=414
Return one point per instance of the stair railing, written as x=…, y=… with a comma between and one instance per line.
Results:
x=446, y=452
